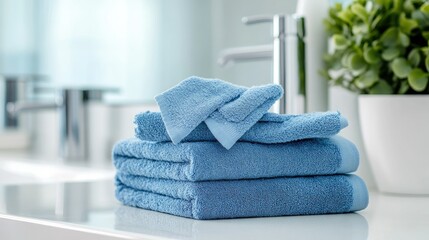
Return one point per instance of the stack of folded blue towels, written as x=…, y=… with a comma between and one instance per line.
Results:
x=215, y=152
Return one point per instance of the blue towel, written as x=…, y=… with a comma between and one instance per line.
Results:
x=228, y=110
x=198, y=161
x=244, y=198
x=271, y=128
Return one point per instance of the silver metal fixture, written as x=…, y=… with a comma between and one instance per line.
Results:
x=287, y=53
x=14, y=88
x=71, y=104
x=245, y=54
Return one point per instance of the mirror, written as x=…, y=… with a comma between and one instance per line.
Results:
x=142, y=47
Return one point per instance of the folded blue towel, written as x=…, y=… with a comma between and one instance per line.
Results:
x=244, y=198
x=228, y=110
x=271, y=128
x=198, y=161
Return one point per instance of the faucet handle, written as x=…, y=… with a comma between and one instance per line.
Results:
x=278, y=22
x=257, y=19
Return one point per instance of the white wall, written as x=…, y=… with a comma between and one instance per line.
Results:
x=186, y=41
x=17, y=37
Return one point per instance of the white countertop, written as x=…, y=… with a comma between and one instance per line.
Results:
x=91, y=208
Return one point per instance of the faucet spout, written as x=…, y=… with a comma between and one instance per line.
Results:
x=15, y=108
x=249, y=53
x=71, y=105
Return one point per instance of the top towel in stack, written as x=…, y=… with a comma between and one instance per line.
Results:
x=203, y=158
x=263, y=164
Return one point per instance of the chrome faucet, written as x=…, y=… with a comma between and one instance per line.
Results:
x=287, y=53
x=71, y=104
x=15, y=88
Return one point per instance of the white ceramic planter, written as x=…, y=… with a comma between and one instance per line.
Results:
x=395, y=130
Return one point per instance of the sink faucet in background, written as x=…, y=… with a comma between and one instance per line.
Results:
x=71, y=104
x=287, y=53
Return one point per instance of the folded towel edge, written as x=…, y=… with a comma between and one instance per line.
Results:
x=349, y=155
x=360, y=193
x=224, y=133
x=343, y=121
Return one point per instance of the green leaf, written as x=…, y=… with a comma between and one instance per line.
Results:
x=397, y=5
x=408, y=6
x=375, y=22
x=414, y=57
x=384, y=3
x=333, y=11
x=345, y=59
x=404, y=39
x=377, y=45
x=427, y=63
x=381, y=87
x=420, y=17
x=407, y=25
x=404, y=87
x=360, y=28
x=370, y=55
x=366, y=80
x=390, y=37
x=425, y=8
x=360, y=11
x=346, y=15
x=390, y=53
x=418, y=79
x=340, y=42
x=356, y=62
x=425, y=35
x=379, y=2
x=338, y=7
x=425, y=51
x=400, y=67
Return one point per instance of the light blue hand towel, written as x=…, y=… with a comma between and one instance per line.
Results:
x=271, y=128
x=228, y=110
x=198, y=161
x=244, y=198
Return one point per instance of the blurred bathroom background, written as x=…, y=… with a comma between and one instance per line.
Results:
x=139, y=48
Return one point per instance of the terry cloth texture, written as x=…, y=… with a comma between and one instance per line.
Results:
x=199, y=161
x=228, y=110
x=271, y=128
x=244, y=198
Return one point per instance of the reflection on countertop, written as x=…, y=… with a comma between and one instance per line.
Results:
x=91, y=205
x=72, y=202
x=335, y=226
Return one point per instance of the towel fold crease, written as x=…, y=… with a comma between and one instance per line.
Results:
x=201, y=161
x=244, y=198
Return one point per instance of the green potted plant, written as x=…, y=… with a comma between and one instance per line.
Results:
x=380, y=49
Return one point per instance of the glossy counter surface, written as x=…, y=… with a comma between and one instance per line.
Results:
x=90, y=206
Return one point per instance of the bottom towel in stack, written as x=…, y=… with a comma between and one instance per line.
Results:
x=203, y=180
x=244, y=198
